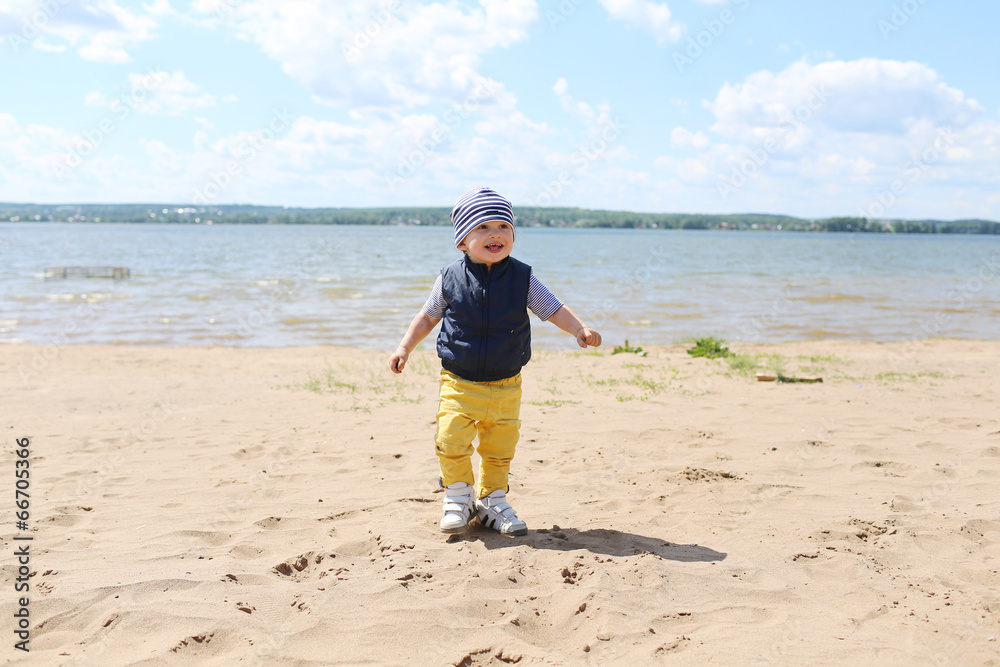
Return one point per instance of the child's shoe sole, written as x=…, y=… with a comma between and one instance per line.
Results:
x=458, y=528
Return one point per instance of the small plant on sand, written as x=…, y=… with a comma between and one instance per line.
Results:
x=709, y=347
x=743, y=364
x=893, y=376
x=552, y=403
x=818, y=364
x=776, y=363
x=366, y=384
x=749, y=364
x=325, y=382
x=619, y=349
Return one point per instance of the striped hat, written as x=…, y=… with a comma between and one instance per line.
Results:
x=476, y=206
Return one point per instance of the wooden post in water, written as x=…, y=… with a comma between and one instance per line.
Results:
x=114, y=272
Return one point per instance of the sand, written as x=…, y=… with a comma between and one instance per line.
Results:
x=219, y=506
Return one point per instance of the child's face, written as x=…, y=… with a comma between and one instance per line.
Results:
x=489, y=243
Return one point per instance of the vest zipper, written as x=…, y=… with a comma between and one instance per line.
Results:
x=486, y=322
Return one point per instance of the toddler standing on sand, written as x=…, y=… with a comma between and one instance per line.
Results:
x=483, y=299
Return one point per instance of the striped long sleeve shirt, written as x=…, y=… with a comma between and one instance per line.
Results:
x=540, y=300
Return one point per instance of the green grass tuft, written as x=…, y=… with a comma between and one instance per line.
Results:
x=619, y=349
x=710, y=348
x=749, y=364
x=553, y=403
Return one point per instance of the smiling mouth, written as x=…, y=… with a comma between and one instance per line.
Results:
x=494, y=247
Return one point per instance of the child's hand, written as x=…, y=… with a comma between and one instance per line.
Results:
x=397, y=361
x=586, y=336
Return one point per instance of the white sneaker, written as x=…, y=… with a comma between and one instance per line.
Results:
x=496, y=513
x=459, y=507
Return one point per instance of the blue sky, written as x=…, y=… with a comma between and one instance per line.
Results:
x=884, y=109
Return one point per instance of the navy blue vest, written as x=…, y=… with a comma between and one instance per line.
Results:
x=485, y=333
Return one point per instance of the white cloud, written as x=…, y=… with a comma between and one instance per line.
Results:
x=480, y=136
x=579, y=110
x=95, y=99
x=163, y=8
x=100, y=30
x=31, y=154
x=860, y=96
x=594, y=118
x=372, y=53
x=313, y=161
x=157, y=92
x=682, y=138
x=578, y=168
x=653, y=17
x=833, y=136
x=833, y=160
x=43, y=45
x=8, y=124
x=373, y=157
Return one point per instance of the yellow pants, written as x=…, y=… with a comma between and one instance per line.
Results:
x=490, y=410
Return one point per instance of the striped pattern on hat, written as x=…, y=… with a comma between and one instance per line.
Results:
x=476, y=206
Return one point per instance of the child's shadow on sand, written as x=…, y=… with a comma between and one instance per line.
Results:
x=596, y=540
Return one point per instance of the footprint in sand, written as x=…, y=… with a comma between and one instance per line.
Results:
x=304, y=566
x=193, y=640
x=66, y=517
x=858, y=531
x=703, y=475
x=976, y=530
x=252, y=452
x=673, y=647
x=281, y=522
x=888, y=468
x=487, y=656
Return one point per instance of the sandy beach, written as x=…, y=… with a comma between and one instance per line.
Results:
x=218, y=506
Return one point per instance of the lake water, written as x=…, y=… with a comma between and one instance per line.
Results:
x=278, y=286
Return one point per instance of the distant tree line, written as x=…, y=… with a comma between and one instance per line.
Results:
x=430, y=216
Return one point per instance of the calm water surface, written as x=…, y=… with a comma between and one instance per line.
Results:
x=277, y=286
